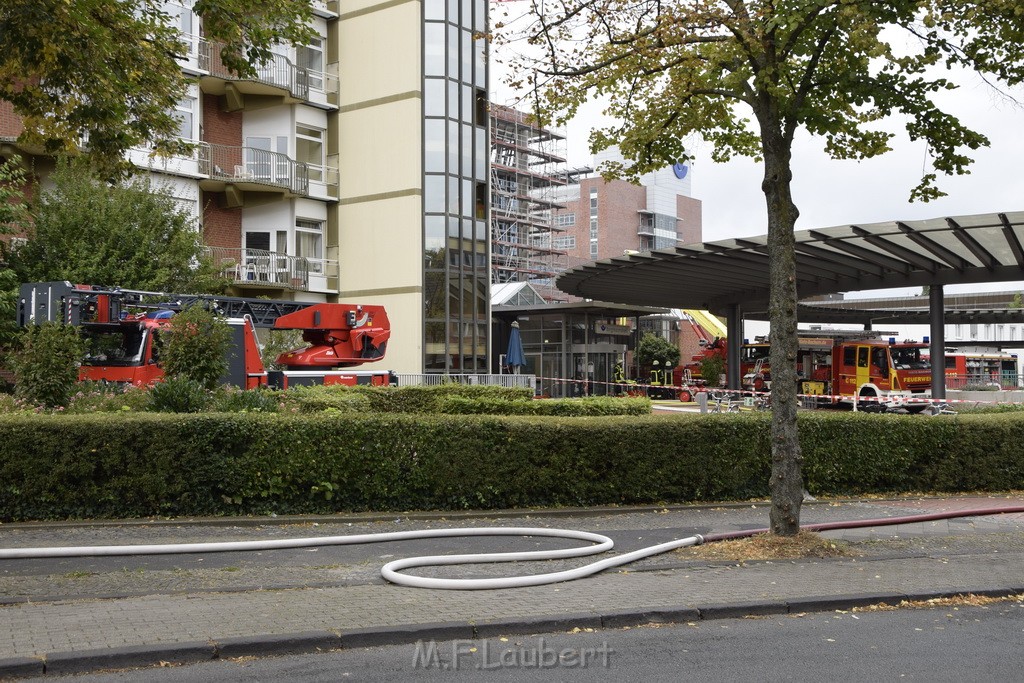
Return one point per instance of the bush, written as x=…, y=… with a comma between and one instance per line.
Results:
x=134, y=465
x=413, y=399
x=179, y=395
x=46, y=366
x=195, y=345
x=232, y=400
x=107, y=397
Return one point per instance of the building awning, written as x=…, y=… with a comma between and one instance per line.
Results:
x=715, y=275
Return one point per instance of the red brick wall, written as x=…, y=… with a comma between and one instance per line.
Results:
x=222, y=226
x=220, y=127
x=10, y=123
x=689, y=227
x=618, y=204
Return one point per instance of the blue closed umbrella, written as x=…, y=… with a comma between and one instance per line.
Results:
x=514, y=357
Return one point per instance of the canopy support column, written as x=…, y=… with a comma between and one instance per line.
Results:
x=937, y=319
x=733, y=336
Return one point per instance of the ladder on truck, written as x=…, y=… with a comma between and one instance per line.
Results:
x=40, y=302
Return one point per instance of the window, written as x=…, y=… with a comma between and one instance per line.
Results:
x=565, y=220
x=311, y=58
x=309, y=243
x=309, y=149
x=258, y=157
x=185, y=113
x=565, y=242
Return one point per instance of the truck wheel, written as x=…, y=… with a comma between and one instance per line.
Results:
x=871, y=406
x=685, y=396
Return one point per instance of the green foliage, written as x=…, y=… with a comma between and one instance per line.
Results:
x=233, y=400
x=195, y=346
x=46, y=365
x=747, y=78
x=14, y=215
x=14, y=219
x=132, y=234
x=277, y=342
x=107, y=397
x=654, y=348
x=124, y=93
x=180, y=394
x=711, y=369
x=413, y=399
x=137, y=464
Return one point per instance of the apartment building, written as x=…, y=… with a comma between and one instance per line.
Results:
x=354, y=168
x=606, y=218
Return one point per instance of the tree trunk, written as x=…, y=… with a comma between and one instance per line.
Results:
x=786, y=483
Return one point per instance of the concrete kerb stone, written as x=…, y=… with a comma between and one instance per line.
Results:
x=923, y=596
x=127, y=657
x=742, y=609
x=277, y=644
x=12, y=668
x=403, y=634
x=629, y=618
x=493, y=628
x=830, y=603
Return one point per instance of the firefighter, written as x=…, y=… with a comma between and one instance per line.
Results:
x=654, y=391
x=620, y=378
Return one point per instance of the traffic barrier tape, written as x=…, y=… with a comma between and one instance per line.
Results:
x=900, y=399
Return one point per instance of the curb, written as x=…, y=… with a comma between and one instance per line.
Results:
x=309, y=642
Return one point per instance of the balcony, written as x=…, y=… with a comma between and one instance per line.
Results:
x=280, y=78
x=260, y=269
x=234, y=170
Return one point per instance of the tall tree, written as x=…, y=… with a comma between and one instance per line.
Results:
x=14, y=220
x=746, y=75
x=108, y=71
x=130, y=234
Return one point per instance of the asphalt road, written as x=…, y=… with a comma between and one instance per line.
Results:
x=933, y=644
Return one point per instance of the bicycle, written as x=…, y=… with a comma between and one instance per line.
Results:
x=723, y=403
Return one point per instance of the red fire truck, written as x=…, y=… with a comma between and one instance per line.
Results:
x=838, y=366
x=981, y=366
x=121, y=329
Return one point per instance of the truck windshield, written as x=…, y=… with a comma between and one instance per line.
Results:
x=121, y=345
x=908, y=358
x=751, y=352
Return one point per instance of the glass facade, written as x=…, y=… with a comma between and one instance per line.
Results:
x=455, y=163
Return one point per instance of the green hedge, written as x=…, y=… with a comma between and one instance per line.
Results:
x=138, y=465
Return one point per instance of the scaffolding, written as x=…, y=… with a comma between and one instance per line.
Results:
x=527, y=167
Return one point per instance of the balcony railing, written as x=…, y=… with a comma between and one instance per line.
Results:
x=279, y=72
x=271, y=269
x=253, y=165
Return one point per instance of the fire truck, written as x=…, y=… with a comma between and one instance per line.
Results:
x=985, y=366
x=838, y=366
x=122, y=327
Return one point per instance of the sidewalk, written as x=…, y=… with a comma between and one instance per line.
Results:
x=64, y=616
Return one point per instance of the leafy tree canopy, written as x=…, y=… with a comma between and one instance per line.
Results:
x=654, y=348
x=131, y=234
x=109, y=71
x=742, y=72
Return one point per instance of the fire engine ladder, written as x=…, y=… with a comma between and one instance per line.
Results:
x=63, y=302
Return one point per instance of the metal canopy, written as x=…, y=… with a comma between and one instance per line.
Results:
x=717, y=275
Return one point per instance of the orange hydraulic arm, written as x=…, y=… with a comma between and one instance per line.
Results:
x=340, y=335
